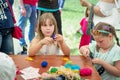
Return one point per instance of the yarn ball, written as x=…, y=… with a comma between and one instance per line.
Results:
x=67, y=65
x=75, y=67
x=85, y=72
x=44, y=74
x=53, y=70
x=44, y=63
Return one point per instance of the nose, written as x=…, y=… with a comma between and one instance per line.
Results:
x=48, y=27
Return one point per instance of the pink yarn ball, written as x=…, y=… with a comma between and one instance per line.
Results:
x=85, y=72
x=44, y=74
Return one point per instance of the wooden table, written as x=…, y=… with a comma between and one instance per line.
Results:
x=54, y=60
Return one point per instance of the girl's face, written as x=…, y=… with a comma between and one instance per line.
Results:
x=48, y=28
x=103, y=41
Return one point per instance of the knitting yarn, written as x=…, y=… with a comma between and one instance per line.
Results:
x=85, y=72
x=53, y=70
x=44, y=63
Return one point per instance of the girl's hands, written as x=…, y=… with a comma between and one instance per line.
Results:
x=84, y=50
x=46, y=41
x=59, y=38
x=98, y=61
x=50, y=40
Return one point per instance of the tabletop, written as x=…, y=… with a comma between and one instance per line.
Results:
x=54, y=60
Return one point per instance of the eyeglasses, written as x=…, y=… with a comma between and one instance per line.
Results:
x=97, y=32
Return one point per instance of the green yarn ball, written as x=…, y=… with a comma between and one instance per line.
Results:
x=53, y=70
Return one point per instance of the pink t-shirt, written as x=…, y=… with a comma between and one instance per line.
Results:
x=85, y=38
x=32, y=2
x=83, y=24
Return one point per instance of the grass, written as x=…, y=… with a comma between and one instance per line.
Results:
x=71, y=16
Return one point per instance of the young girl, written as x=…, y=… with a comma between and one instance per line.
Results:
x=85, y=38
x=105, y=52
x=47, y=40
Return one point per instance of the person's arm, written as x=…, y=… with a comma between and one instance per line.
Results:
x=64, y=47
x=22, y=8
x=97, y=11
x=37, y=44
x=34, y=47
x=112, y=69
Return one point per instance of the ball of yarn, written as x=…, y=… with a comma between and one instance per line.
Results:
x=75, y=67
x=85, y=72
x=67, y=65
x=44, y=74
x=44, y=63
x=53, y=70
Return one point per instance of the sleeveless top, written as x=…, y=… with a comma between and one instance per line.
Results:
x=48, y=5
x=49, y=49
x=105, y=8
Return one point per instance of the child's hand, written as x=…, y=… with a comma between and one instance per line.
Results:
x=84, y=51
x=59, y=38
x=97, y=61
x=46, y=41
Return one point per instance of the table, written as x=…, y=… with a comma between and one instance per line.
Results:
x=54, y=60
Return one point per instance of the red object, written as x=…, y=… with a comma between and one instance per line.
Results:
x=85, y=38
x=17, y=32
x=85, y=72
x=31, y=2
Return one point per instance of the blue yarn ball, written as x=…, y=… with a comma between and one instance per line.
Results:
x=75, y=67
x=44, y=63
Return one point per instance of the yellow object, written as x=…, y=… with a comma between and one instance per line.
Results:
x=29, y=59
x=66, y=59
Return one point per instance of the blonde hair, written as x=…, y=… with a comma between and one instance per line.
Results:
x=41, y=21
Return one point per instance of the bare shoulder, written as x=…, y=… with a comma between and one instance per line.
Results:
x=35, y=40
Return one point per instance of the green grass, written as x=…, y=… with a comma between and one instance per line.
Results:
x=71, y=16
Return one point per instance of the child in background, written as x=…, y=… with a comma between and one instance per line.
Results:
x=47, y=40
x=85, y=38
x=105, y=52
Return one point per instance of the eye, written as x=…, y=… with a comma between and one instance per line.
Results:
x=45, y=25
x=51, y=24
